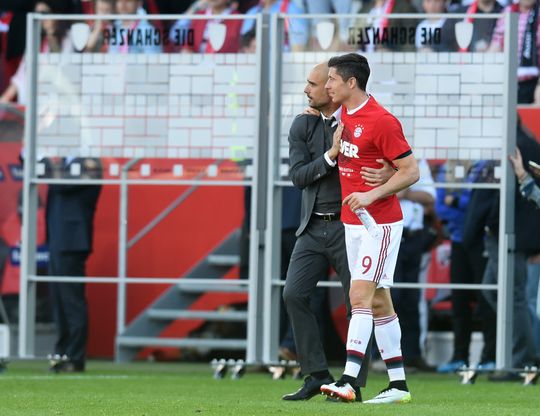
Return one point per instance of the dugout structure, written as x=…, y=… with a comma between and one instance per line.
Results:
x=458, y=107
x=234, y=109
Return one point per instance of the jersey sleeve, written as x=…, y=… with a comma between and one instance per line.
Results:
x=390, y=138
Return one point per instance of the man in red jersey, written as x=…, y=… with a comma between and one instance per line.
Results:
x=368, y=132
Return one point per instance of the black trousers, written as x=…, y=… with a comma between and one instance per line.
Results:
x=320, y=246
x=69, y=305
x=406, y=300
x=523, y=349
x=526, y=91
x=467, y=266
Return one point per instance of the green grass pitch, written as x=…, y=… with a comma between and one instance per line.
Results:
x=137, y=389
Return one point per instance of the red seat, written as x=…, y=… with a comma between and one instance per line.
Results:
x=439, y=272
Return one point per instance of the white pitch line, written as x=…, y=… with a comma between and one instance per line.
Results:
x=7, y=377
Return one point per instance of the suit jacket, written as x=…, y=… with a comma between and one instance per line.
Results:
x=71, y=208
x=527, y=215
x=307, y=163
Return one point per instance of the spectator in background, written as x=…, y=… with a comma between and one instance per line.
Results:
x=16, y=23
x=377, y=8
x=429, y=25
x=467, y=265
x=184, y=24
x=414, y=201
x=527, y=185
x=70, y=218
x=139, y=27
x=95, y=41
x=16, y=33
x=527, y=243
x=245, y=5
x=528, y=48
x=296, y=30
x=248, y=42
x=75, y=6
x=529, y=189
x=54, y=39
x=173, y=6
x=338, y=7
x=201, y=28
x=474, y=224
x=482, y=28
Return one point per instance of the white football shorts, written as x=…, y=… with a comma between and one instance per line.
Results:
x=373, y=259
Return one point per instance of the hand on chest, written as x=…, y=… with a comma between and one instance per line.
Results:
x=356, y=142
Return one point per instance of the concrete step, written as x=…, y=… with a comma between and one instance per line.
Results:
x=138, y=341
x=223, y=260
x=173, y=314
x=200, y=287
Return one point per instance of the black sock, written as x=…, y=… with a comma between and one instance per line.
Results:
x=320, y=375
x=347, y=379
x=398, y=384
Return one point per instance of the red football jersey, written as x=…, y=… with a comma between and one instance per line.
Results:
x=370, y=133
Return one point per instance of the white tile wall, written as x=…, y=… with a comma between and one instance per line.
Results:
x=148, y=106
x=446, y=95
x=200, y=106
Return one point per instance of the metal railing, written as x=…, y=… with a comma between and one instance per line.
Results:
x=263, y=284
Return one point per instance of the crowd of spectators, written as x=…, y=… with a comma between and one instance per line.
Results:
x=431, y=34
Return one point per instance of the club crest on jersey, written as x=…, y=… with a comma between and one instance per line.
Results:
x=358, y=131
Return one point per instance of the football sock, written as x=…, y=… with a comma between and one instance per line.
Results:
x=360, y=328
x=388, y=337
x=347, y=379
x=399, y=384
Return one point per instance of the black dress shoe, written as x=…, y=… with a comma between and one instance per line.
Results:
x=62, y=364
x=57, y=362
x=310, y=388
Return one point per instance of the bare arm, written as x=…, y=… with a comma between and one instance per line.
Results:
x=517, y=164
x=406, y=175
x=94, y=39
x=9, y=94
x=421, y=197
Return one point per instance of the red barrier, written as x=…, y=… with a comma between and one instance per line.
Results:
x=530, y=116
x=179, y=242
x=173, y=247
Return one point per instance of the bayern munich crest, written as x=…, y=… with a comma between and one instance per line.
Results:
x=357, y=131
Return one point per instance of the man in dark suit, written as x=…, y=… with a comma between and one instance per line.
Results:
x=527, y=243
x=321, y=237
x=70, y=218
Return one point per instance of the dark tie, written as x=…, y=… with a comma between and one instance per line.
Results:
x=328, y=132
x=329, y=122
